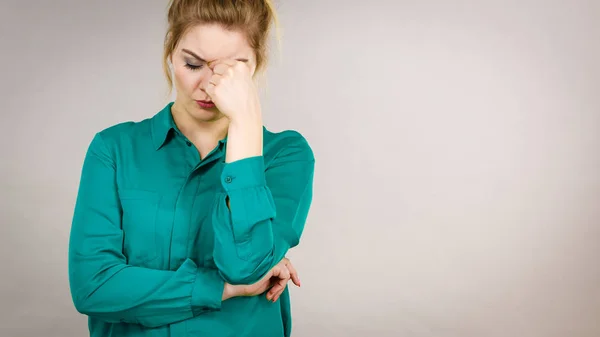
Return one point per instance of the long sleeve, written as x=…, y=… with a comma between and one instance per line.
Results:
x=102, y=284
x=268, y=208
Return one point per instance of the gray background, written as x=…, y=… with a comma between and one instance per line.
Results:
x=458, y=155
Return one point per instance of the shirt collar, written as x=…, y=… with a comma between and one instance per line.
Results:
x=162, y=126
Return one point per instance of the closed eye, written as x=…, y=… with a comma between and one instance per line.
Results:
x=193, y=67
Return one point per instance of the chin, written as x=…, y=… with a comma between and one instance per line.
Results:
x=205, y=115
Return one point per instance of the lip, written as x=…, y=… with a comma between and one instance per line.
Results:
x=206, y=104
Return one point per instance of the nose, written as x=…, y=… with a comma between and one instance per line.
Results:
x=205, y=79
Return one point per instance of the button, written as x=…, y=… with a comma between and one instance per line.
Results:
x=188, y=143
x=228, y=180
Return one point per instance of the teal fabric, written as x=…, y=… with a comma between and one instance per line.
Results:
x=153, y=241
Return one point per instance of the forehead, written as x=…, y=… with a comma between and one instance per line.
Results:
x=212, y=42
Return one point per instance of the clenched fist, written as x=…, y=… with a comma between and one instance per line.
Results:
x=232, y=89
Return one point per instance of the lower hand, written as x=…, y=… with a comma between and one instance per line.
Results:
x=275, y=281
x=280, y=284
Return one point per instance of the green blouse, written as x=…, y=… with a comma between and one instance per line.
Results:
x=153, y=241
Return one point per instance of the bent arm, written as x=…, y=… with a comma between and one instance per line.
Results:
x=102, y=284
x=262, y=213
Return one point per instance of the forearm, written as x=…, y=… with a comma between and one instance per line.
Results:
x=245, y=140
x=124, y=293
x=262, y=211
x=245, y=137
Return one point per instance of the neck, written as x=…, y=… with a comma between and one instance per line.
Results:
x=200, y=131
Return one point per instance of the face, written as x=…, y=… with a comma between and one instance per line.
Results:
x=202, y=44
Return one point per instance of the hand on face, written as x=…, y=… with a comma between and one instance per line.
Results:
x=232, y=89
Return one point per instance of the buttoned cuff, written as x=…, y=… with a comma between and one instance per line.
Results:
x=244, y=173
x=250, y=199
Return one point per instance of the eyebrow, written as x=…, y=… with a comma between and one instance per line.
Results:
x=203, y=60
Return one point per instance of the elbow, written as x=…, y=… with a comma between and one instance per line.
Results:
x=81, y=294
x=244, y=271
x=83, y=299
x=82, y=306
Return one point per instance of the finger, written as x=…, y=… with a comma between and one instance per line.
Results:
x=274, y=288
x=279, y=292
x=293, y=274
x=215, y=79
x=221, y=69
x=210, y=90
x=227, y=62
x=281, y=271
x=277, y=296
x=273, y=291
x=276, y=291
x=284, y=273
x=281, y=276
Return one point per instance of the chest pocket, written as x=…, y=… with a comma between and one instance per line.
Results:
x=139, y=219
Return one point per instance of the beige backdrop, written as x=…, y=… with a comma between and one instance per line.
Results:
x=457, y=190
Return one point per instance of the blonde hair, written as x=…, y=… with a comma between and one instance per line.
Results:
x=252, y=17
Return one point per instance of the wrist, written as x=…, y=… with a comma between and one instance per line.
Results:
x=228, y=292
x=245, y=138
x=252, y=115
x=245, y=123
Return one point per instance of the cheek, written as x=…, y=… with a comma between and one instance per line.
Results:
x=187, y=80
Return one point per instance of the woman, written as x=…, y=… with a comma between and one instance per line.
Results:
x=183, y=220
